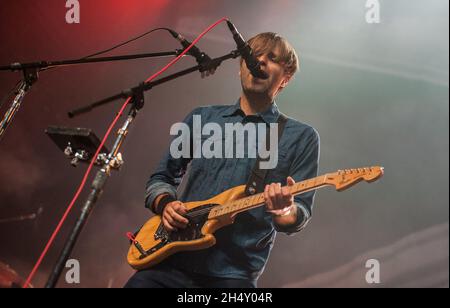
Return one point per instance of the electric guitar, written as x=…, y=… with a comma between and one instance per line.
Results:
x=153, y=243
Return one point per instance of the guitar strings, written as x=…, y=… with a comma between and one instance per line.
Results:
x=201, y=212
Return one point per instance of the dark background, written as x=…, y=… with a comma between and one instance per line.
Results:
x=377, y=94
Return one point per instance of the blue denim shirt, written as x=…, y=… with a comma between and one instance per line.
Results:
x=243, y=248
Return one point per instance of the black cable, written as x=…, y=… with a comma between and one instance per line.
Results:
x=124, y=43
x=117, y=46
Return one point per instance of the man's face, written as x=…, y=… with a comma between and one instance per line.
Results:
x=269, y=87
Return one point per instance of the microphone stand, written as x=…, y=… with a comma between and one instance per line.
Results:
x=31, y=72
x=213, y=64
x=114, y=159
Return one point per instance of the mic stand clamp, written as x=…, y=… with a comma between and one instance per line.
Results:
x=30, y=76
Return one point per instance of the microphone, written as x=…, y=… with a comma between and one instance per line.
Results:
x=202, y=58
x=247, y=53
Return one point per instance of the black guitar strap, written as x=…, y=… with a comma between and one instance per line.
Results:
x=256, y=181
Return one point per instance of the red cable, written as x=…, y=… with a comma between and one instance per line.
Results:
x=83, y=182
x=131, y=237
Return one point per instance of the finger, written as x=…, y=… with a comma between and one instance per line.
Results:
x=278, y=189
x=168, y=218
x=172, y=223
x=174, y=214
x=290, y=181
x=272, y=195
x=180, y=208
x=286, y=193
x=178, y=224
x=267, y=198
x=167, y=225
x=178, y=218
x=278, y=195
x=169, y=228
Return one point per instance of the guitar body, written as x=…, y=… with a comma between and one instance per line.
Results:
x=157, y=244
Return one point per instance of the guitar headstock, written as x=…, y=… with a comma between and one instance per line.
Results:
x=344, y=179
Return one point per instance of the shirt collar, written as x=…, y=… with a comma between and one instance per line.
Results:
x=269, y=116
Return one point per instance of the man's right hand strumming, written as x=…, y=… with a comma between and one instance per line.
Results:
x=172, y=216
x=171, y=212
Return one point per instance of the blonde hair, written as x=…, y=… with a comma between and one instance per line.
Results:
x=267, y=42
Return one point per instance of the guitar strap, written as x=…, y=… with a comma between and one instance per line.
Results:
x=256, y=181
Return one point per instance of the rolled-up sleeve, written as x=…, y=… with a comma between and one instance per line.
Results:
x=305, y=166
x=168, y=173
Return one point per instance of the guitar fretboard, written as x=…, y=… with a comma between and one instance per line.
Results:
x=257, y=200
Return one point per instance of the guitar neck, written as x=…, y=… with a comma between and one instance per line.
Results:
x=257, y=200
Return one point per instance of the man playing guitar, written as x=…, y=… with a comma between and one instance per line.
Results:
x=242, y=249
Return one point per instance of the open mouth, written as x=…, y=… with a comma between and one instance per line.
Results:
x=258, y=80
x=264, y=76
